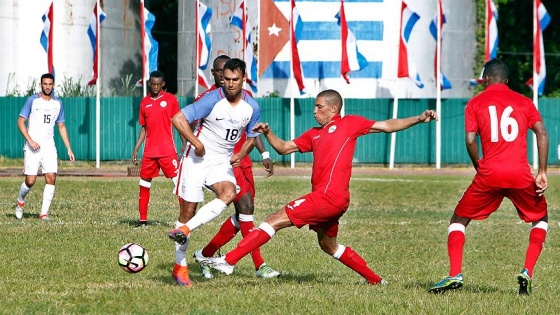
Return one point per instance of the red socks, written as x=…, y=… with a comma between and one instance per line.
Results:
x=255, y=239
x=353, y=261
x=536, y=242
x=143, y=200
x=225, y=234
x=246, y=228
x=455, y=244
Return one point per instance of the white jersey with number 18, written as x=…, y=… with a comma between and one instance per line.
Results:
x=221, y=123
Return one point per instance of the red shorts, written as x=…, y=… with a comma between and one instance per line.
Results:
x=480, y=200
x=318, y=210
x=151, y=166
x=245, y=181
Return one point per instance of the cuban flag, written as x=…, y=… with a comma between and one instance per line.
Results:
x=240, y=20
x=150, y=46
x=543, y=19
x=47, y=37
x=436, y=27
x=352, y=59
x=296, y=29
x=407, y=69
x=204, y=42
x=94, y=39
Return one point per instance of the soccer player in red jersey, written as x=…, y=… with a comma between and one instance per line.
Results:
x=333, y=144
x=501, y=118
x=244, y=203
x=156, y=111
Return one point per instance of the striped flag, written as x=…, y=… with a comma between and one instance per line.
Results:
x=407, y=69
x=240, y=20
x=150, y=46
x=351, y=59
x=491, y=46
x=47, y=37
x=204, y=42
x=436, y=27
x=295, y=29
x=539, y=66
x=94, y=39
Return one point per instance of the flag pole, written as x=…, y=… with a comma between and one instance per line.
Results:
x=144, y=57
x=98, y=88
x=535, y=79
x=394, y=134
x=438, y=86
x=196, y=48
x=292, y=101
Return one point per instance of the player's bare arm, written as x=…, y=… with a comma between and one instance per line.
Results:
x=267, y=162
x=66, y=140
x=183, y=126
x=392, y=125
x=23, y=129
x=541, y=180
x=141, y=138
x=246, y=148
x=279, y=145
x=472, y=148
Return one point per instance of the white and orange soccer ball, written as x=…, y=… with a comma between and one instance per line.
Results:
x=133, y=257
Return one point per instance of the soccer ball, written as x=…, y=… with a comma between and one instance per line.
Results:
x=133, y=258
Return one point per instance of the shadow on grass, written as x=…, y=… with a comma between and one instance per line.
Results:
x=132, y=222
x=466, y=288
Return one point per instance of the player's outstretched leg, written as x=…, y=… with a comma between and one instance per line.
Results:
x=352, y=260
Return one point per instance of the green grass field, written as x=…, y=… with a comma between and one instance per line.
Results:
x=397, y=223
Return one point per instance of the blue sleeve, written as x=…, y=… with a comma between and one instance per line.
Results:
x=61, y=118
x=255, y=118
x=26, y=109
x=201, y=108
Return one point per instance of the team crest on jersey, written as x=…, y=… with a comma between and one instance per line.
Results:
x=163, y=104
x=332, y=129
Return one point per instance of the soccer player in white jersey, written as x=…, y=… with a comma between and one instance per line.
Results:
x=42, y=112
x=226, y=113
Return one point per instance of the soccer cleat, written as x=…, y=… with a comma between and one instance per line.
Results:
x=220, y=264
x=181, y=274
x=19, y=210
x=449, y=283
x=266, y=272
x=204, y=268
x=180, y=235
x=141, y=224
x=44, y=217
x=525, y=282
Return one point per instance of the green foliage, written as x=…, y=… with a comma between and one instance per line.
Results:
x=398, y=223
x=71, y=87
x=273, y=94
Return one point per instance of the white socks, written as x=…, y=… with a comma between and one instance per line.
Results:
x=48, y=194
x=23, y=190
x=206, y=214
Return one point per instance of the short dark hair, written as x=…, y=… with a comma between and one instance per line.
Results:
x=47, y=76
x=496, y=68
x=157, y=74
x=332, y=97
x=234, y=64
x=220, y=57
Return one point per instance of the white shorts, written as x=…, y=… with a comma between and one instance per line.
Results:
x=46, y=158
x=196, y=173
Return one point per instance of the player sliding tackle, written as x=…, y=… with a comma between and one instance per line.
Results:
x=333, y=144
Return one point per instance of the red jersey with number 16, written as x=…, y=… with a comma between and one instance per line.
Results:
x=333, y=147
x=155, y=115
x=502, y=118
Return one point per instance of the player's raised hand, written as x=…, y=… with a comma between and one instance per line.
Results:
x=428, y=115
x=261, y=128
